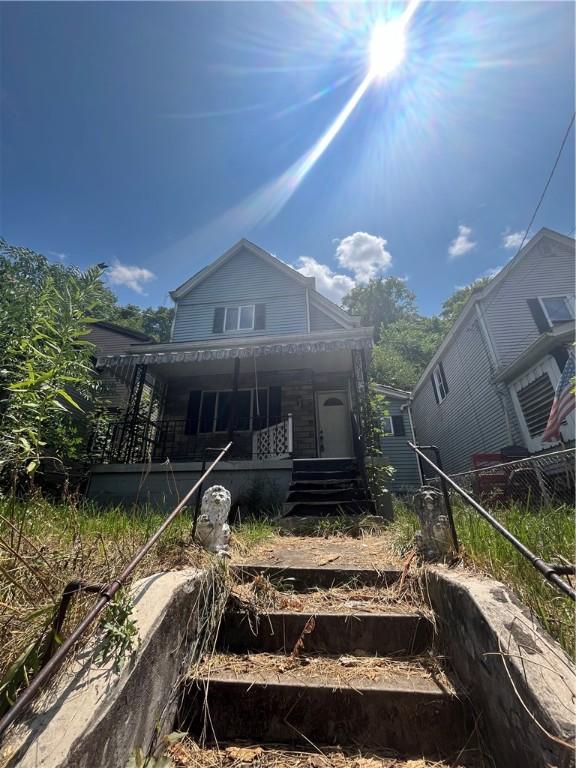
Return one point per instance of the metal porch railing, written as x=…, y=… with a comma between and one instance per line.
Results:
x=551, y=572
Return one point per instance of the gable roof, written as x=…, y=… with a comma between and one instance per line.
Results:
x=124, y=331
x=392, y=392
x=477, y=296
x=243, y=244
x=339, y=314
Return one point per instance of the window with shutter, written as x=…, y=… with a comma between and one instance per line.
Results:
x=439, y=383
x=398, y=426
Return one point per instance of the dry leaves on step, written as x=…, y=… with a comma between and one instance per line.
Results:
x=243, y=754
x=309, y=627
x=368, y=762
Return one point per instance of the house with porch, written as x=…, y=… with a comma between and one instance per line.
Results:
x=258, y=358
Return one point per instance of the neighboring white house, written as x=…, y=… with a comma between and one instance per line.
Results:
x=491, y=383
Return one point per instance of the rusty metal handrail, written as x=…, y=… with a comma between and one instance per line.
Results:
x=549, y=572
x=106, y=594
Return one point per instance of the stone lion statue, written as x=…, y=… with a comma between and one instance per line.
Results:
x=434, y=540
x=212, y=530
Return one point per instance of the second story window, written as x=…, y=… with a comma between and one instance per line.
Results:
x=246, y=317
x=558, y=309
x=439, y=383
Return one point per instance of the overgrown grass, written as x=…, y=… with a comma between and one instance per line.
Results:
x=253, y=532
x=43, y=546
x=549, y=532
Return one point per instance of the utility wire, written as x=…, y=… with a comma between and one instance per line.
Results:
x=540, y=201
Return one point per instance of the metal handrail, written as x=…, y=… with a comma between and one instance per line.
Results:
x=106, y=594
x=548, y=571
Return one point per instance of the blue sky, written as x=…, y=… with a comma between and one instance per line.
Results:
x=153, y=136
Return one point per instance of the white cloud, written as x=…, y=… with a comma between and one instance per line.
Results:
x=333, y=286
x=364, y=255
x=131, y=276
x=461, y=243
x=512, y=239
x=59, y=256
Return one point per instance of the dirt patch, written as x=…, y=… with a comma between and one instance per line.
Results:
x=188, y=754
x=368, y=551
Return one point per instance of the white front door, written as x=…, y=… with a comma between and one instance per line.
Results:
x=334, y=429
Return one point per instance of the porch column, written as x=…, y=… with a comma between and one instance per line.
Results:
x=133, y=411
x=233, y=399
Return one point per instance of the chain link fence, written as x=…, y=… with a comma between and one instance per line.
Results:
x=532, y=482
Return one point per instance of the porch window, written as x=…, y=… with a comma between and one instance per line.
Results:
x=252, y=410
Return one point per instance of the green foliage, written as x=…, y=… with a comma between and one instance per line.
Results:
x=454, y=305
x=120, y=633
x=252, y=532
x=380, y=302
x=139, y=760
x=405, y=349
x=47, y=372
x=550, y=532
x=156, y=322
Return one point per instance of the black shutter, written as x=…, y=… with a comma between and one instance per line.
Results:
x=218, y=323
x=259, y=317
x=560, y=354
x=398, y=426
x=538, y=314
x=443, y=376
x=275, y=405
x=436, y=397
x=193, y=412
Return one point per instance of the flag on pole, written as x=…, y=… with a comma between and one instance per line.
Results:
x=564, y=401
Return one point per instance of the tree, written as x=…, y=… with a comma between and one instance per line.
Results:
x=381, y=302
x=156, y=322
x=405, y=349
x=454, y=304
x=45, y=310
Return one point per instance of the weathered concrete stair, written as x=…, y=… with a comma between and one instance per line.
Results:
x=326, y=487
x=402, y=706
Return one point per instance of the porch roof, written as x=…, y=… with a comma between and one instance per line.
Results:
x=257, y=346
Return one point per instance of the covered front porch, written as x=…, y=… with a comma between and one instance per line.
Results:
x=273, y=398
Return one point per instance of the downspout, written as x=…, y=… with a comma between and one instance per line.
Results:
x=407, y=407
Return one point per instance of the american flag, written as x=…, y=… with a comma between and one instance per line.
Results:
x=564, y=402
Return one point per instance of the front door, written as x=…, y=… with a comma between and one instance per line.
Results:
x=334, y=430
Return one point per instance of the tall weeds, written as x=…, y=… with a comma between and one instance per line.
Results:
x=549, y=532
x=43, y=546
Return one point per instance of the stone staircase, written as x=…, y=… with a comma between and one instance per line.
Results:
x=353, y=676
x=326, y=487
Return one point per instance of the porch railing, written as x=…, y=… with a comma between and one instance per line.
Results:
x=275, y=441
x=145, y=440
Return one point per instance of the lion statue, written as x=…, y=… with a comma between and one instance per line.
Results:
x=212, y=530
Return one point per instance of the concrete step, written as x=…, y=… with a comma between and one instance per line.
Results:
x=324, y=465
x=331, y=508
x=304, y=485
x=409, y=713
x=375, y=634
x=326, y=494
x=308, y=476
x=303, y=579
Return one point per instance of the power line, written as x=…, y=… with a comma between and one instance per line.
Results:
x=543, y=195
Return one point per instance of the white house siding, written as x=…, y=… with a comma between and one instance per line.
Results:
x=244, y=279
x=471, y=418
x=547, y=270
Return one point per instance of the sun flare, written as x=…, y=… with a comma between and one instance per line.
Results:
x=387, y=47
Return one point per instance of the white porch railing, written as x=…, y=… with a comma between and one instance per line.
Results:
x=275, y=442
